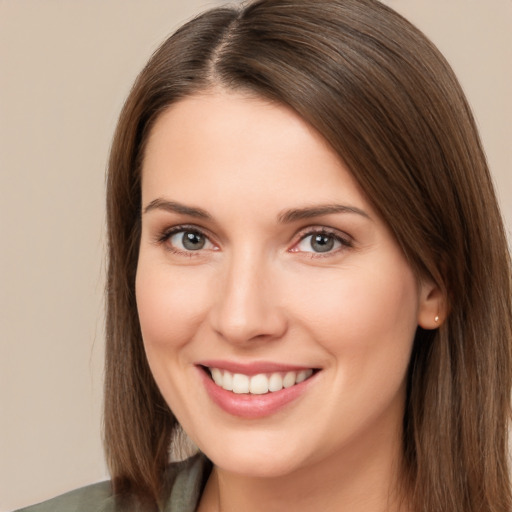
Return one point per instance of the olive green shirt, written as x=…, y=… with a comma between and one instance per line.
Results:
x=187, y=481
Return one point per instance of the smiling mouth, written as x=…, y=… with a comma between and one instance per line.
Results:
x=259, y=384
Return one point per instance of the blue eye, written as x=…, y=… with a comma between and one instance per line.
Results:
x=187, y=240
x=320, y=242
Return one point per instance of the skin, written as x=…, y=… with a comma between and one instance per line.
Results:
x=258, y=291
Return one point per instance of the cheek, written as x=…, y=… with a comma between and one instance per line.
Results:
x=365, y=317
x=366, y=322
x=171, y=304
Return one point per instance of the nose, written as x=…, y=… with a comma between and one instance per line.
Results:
x=246, y=307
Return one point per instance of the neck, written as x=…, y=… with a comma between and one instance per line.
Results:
x=364, y=477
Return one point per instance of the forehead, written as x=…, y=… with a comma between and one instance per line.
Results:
x=248, y=123
x=227, y=141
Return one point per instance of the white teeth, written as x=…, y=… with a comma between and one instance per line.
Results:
x=303, y=375
x=240, y=383
x=259, y=384
x=275, y=383
x=217, y=376
x=227, y=381
x=289, y=379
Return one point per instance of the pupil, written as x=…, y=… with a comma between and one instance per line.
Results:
x=193, y=241
x=322, y=243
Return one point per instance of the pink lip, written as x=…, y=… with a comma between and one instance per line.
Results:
x=253, y=406
x=252, y=368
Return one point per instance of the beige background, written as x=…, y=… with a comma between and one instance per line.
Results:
x=65, y=68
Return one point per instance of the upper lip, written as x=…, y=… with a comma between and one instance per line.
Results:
x=253, y=368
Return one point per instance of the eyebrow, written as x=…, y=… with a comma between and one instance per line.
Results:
x=174, y=207
x=285, y=217
x=309, y=212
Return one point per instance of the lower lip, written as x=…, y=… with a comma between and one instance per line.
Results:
x=253, y=406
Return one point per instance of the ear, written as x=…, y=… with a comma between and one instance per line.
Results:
x=432, y=306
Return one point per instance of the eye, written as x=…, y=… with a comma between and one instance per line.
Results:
x=186, y=240
x=321, y=242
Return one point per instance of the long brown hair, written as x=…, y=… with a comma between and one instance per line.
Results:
x=388, y=103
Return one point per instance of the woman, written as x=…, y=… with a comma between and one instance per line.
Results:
x=308, y=272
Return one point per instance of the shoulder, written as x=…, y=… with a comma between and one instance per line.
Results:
x=185, y=481
x=93, y=498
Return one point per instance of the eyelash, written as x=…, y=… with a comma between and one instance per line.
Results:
x=166, y=235
x=344, y=241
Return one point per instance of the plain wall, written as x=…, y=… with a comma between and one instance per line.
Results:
x=65, y=69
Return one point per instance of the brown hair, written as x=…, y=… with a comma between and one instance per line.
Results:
x=389, y=104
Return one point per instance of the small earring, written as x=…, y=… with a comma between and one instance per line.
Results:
x=436, y=319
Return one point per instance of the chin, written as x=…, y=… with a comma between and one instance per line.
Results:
x=257, y=456
x=255, y=466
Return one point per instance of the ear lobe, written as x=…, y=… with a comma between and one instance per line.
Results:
x=432, y=306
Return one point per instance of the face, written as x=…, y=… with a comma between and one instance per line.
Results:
x=277, y=310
